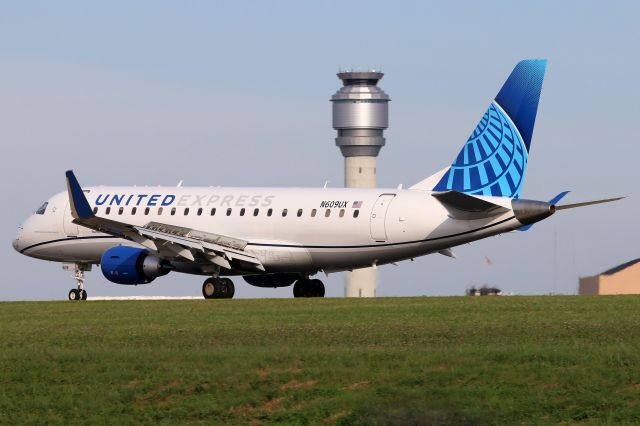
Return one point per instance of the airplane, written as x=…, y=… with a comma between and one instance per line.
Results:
x=276, y=237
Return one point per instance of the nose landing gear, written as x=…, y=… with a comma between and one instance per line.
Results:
x=78, y=270
x=77, y=294
x=218, y=288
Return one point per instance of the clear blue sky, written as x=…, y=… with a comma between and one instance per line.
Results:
x=237, y=93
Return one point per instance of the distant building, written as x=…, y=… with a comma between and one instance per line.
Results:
x=623, y=279
x=484, y=291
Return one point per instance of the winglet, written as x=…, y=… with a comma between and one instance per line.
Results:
x=80, y=208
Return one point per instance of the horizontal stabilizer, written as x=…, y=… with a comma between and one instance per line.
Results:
x=465, y=206
x=588, y=203
x=553, y=207
x=555, y=200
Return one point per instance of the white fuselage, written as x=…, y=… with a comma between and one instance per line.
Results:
x=301, y=230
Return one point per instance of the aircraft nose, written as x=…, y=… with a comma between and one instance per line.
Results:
x=17, y=245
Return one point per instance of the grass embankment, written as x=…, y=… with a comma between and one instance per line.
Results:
x=338, y=361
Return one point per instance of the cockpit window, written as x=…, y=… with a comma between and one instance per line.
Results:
x=42, y=208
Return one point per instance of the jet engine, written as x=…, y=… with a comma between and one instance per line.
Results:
x=132, y=266
x=272, y=280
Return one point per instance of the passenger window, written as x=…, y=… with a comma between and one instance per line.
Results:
x=327, y=213
x=120, y=210
x=256, y=211
x=173, y=211
x=42, y=208
x=200, y=211
x=95, y=210
x=313, y=212
x=134, y=210
x=299, y=212
x=159, y=211
x=341, y=212
x=356, y=213
x=228, y=212
x=213, y=211
x=284, y=212
x=269, y=212
x=146, y=211
x=242, y=211
x=108, y=210
x=186, y=211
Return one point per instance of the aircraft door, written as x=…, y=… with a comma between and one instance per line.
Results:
x=378, y=216
x=70, y=229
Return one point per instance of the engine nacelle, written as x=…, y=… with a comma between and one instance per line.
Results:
x=279, y=279
x=132, y=266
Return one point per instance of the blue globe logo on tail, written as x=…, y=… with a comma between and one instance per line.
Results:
x=494, y=159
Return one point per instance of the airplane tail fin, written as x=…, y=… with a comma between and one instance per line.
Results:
x=494, y=159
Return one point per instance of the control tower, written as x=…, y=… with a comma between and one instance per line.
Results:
x=360, y=115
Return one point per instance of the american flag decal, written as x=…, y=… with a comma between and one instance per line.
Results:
x=357, y=204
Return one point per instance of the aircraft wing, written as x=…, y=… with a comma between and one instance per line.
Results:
x=167, y=240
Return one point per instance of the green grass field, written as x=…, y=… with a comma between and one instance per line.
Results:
x=459, y=360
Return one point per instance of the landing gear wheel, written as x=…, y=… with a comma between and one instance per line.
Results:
x=230, y=289
x=300, y=288
x=218, y=288
x=209, y=288
x=308, y=288
x=78, y=270
x=74, y=294
x=317, y=288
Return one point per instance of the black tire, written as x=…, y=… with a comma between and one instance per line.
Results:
x=230, y=288
x=317, y=288
x=210, y=288
x=301, y=288
x=83, y=295
x=74, y=294
x=308, y=288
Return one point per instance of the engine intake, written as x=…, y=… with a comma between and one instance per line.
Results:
x=132, y=266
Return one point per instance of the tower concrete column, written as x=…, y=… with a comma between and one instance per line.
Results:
x=360, y=172
x=360, y=115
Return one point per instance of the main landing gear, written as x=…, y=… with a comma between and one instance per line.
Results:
x=305, y=287
x=218, y=288
x=78, y=270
